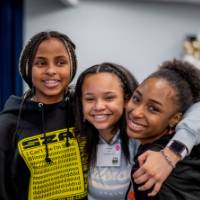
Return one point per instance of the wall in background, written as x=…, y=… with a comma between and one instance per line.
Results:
x=137, y=35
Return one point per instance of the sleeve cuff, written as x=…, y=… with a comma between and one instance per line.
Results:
x=185, y=138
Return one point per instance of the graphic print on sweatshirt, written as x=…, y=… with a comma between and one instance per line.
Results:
x=61, y=178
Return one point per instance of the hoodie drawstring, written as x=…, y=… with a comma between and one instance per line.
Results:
x=47, y=158
x=67, y=108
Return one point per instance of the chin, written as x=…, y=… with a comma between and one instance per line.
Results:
x=133, y=135
x=130, y=134
x=101, y=128
x=97, y=125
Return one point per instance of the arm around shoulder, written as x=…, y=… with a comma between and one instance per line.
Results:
x=188, y=129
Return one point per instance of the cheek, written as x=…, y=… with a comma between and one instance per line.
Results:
x=121, y=106
x=129, y=110
x=66, y=75
x=85, y=107
x=129, y=105
x=158, y=124
x=35, y=77
x=119, y=110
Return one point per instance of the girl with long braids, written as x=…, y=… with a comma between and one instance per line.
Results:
x=100, y=96
x=152, y=113
x=41, y=155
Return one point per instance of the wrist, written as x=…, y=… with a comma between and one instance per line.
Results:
x=169, y=161
x=178, y=148
x=172, y=156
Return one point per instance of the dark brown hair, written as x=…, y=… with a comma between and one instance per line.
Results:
x=30, y=49
x=128, y=84
x=184, y=78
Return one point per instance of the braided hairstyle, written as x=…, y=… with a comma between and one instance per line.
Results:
x=30, y=49
x=128, y=84
x=184, y=78
x=26, y=64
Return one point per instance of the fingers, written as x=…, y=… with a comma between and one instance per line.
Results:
x=153, y=193
x=155, y=190
x=138, y=173
x=151, y=176
x=142, y=178
x=142, y=158
x=149, y=184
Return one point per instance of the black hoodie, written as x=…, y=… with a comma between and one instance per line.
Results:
x=41, y=155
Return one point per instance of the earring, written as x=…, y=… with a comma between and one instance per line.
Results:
x=171, y=129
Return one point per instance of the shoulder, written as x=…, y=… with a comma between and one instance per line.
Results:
x=133, y=147
x=8, y=119
x=10, y=111
x=12, y=102
x=7, y=126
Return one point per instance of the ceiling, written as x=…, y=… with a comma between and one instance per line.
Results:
x=75, y=2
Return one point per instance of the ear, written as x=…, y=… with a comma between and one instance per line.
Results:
x=175, y=119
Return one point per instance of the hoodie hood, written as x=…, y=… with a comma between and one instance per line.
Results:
x=27, y=118
x=13, y=104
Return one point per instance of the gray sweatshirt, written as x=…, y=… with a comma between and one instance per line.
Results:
x=188, y=129
x=111, y=183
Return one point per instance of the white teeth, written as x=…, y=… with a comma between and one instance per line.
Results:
x=136, y=127
x=100, y=117
x=51, y=83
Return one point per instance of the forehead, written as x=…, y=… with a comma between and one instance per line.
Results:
x=102, y=81
x=157, y=88
x=51, y=45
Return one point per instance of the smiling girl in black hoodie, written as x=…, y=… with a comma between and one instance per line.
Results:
x=41, y=155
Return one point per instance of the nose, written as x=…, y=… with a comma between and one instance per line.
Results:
x=51, y=69
x=136, y=110
x=99, y=105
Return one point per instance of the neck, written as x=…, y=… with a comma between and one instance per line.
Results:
x=154, y=138
x=107, y=135
x=49, y=100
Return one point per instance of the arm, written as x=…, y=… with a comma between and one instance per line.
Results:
x=188, y=129
x=154, y=169
x=3, y=192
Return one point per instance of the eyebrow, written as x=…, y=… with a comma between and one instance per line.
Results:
x=139, y=93
x=156, y=102
x=39, y=57
x=43, y=57
x=87, y=93
x=151, y=100
x=91, y=93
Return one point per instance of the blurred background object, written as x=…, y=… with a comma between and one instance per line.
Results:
x=11, y=34
x=139, y=34
x=191, y=48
